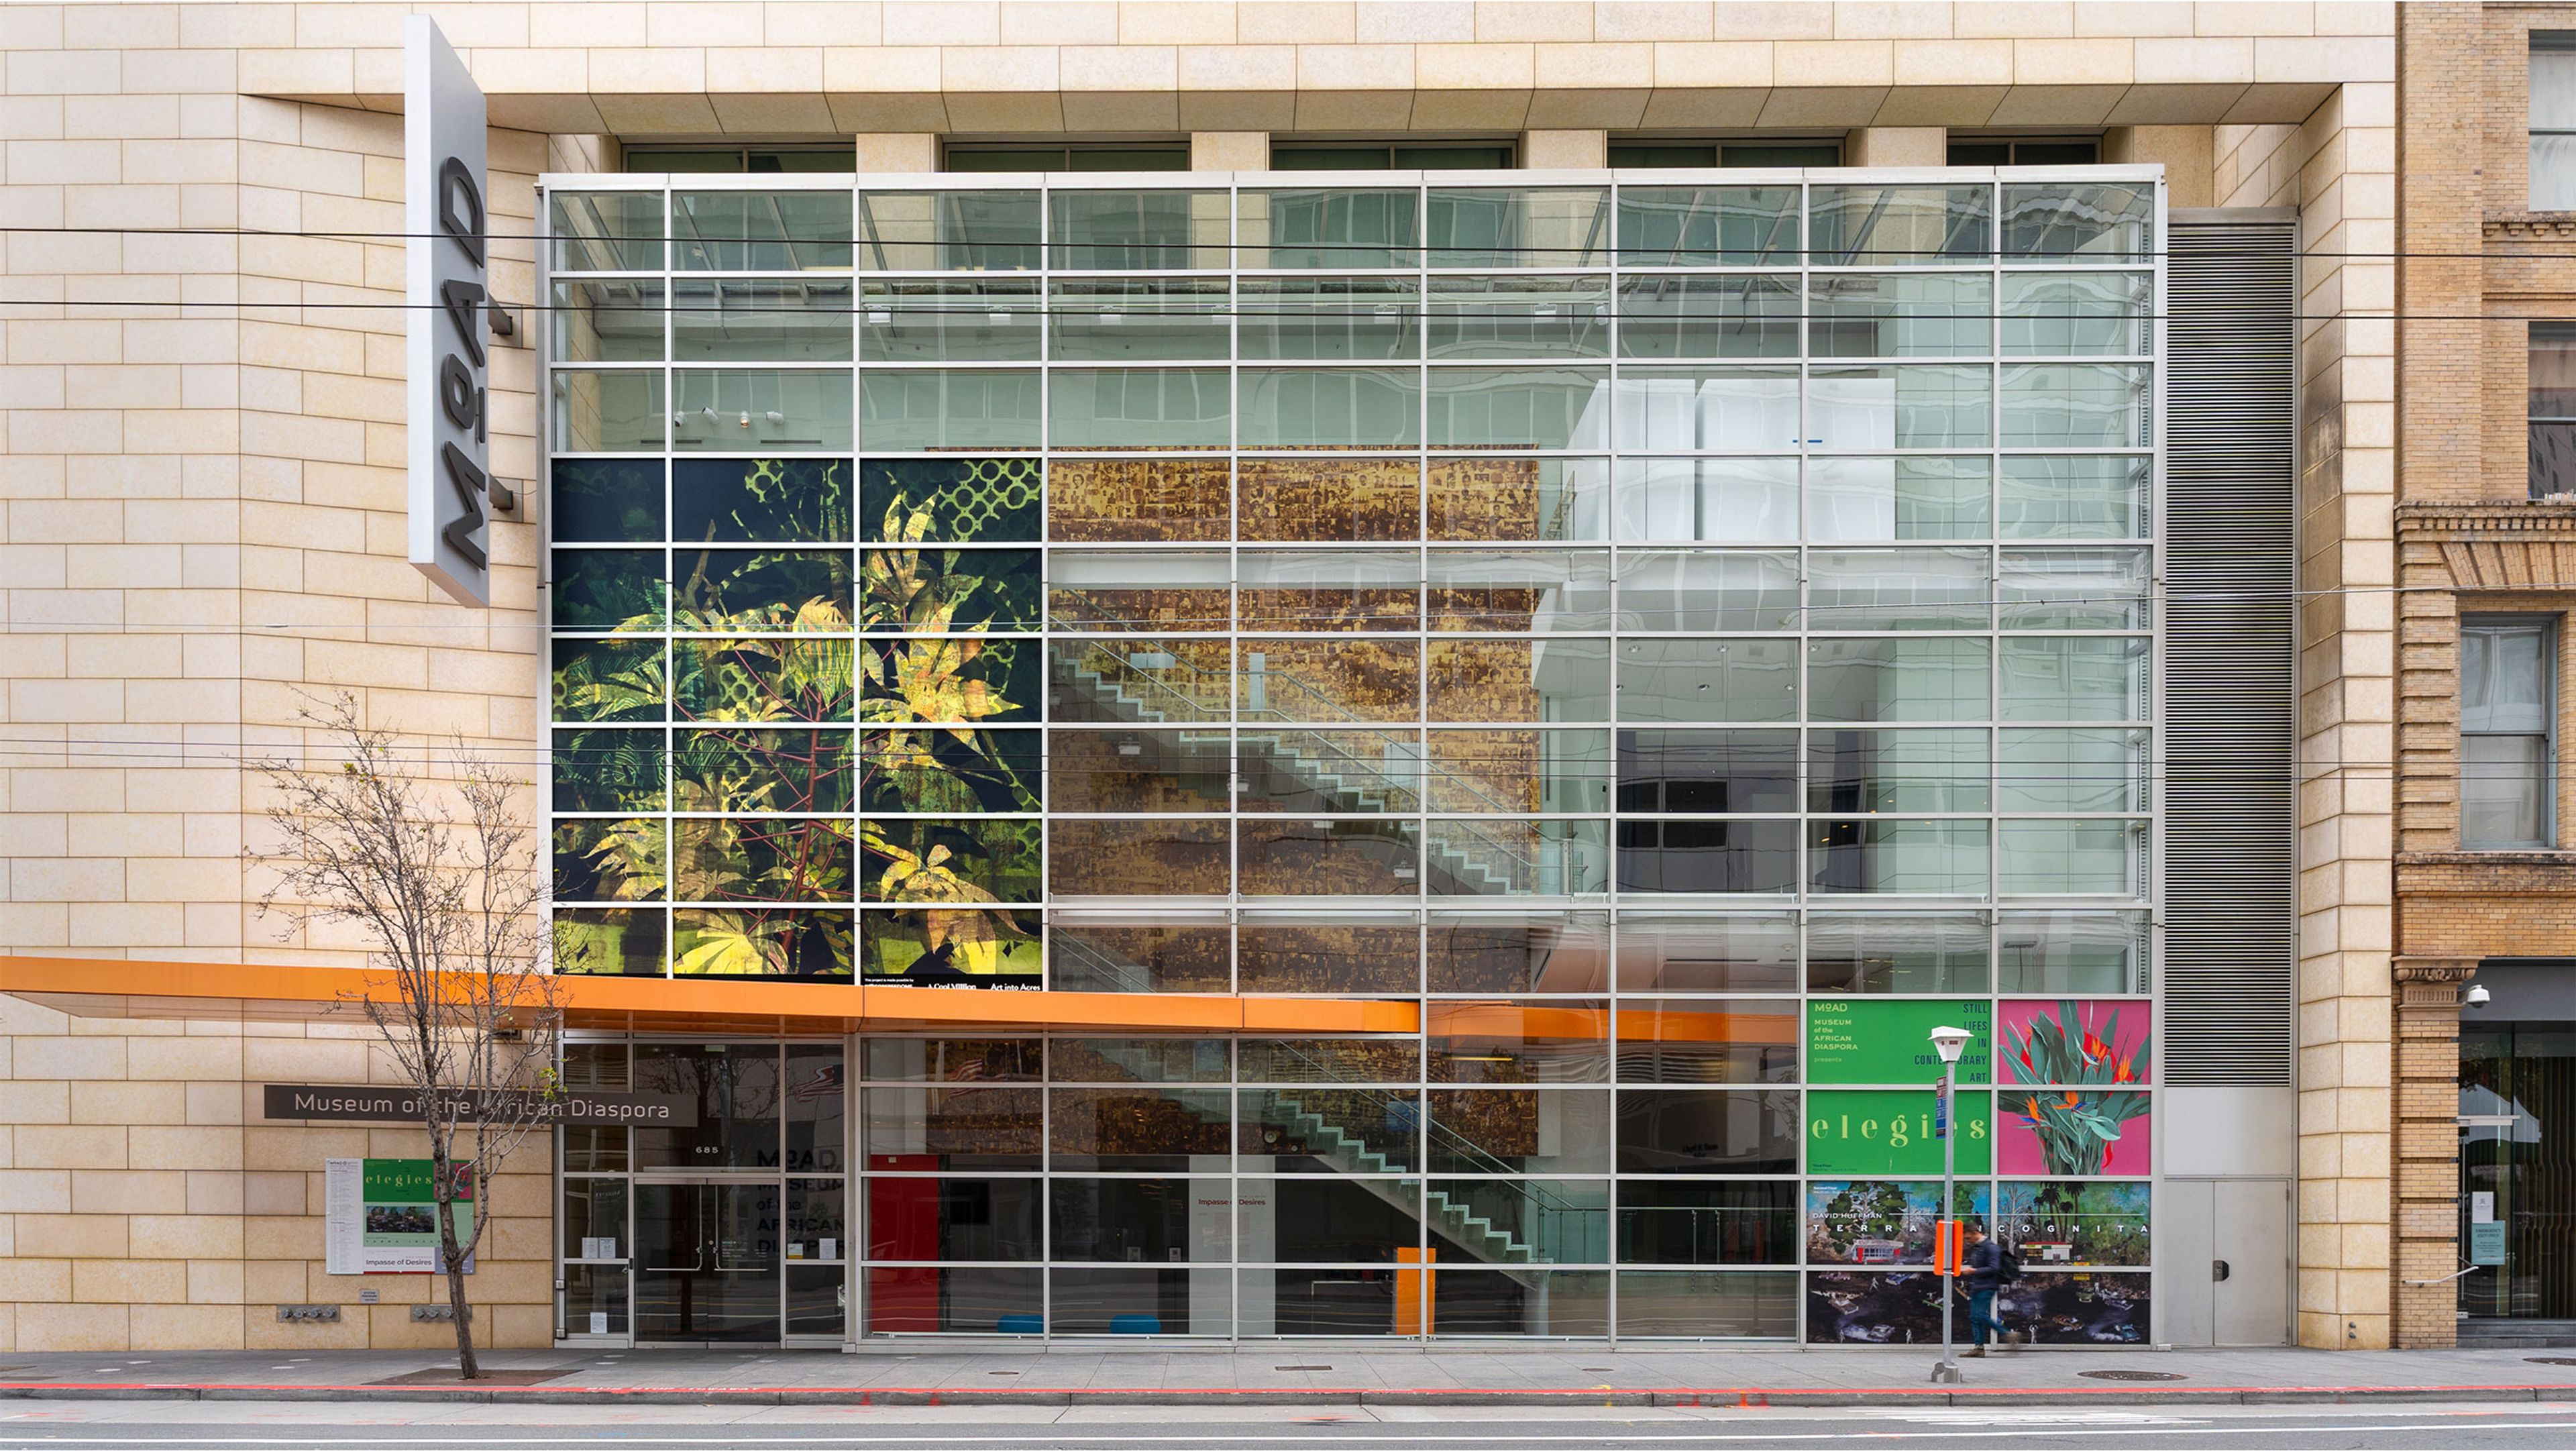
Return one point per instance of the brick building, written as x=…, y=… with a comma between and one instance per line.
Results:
x=2485, y=886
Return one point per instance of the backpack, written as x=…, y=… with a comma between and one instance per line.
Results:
x=2007, y=1265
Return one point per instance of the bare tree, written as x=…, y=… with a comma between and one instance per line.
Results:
x=440, y=877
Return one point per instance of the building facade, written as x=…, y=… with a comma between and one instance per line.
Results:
x=2484, y=521
x=1237, y=670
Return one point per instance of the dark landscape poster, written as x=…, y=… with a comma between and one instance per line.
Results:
x=1862, y=1307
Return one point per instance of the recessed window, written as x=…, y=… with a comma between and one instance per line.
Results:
x=2550, y=391
x=741, y=160
x=1148, y=156
x=2508, y=700
x=1341, y=156
x=1668, y=155
x=2025, y=150
x=2553, y=120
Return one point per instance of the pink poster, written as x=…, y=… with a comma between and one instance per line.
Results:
x=2061, y=1132
x=2077, y=1042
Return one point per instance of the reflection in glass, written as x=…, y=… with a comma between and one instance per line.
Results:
x=1338, y=953
x=1515, y=953
x=1708, y=1131
x=943, y=409
x=748, y=410
x=1708, y=772
x=1856, y=771
x=2081, y=496
x=2053, y=314
x=1709, y=590
x=1702, y=855
x=1878, y=953
x=1901, y=315
x=1738, y=952
x=1565, y=1041
x=1751, y=679
x=1559, y=679
x=1519, y=1131
x=1738, y=410
x=1900, y=226
x=1319, y=858
x=613, y=320
x=1516, y=500
x=1708, y=226
x=956, y=231
x=1516, y=315
x=752, y=231
x=2073, y=952
x=1139, y=408
x=1869, y=499
x=1328, y=319
x=1546, y=407
x=1331, y=229
x=2077, y=405
x=1899, y=589
x=1162, y=951
x=1698, y=316
x=936, y=320
x=1678, y=1222
x=1721, y=501
x=795, y=320
x=606, y=412
x=1880, y=854
x=1899, y=406
x=1524, y=227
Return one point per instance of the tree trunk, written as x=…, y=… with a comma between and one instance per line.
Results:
x=442, y=1190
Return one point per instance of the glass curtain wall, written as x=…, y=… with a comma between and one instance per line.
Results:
x=1691, y=637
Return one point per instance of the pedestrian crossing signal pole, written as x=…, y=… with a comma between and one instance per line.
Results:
x=1949, y=1043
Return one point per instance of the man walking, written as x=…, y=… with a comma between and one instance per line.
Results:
x=1987, y=1266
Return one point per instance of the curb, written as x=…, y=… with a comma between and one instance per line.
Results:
x=1711, y=1398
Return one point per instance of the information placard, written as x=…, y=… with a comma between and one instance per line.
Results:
x=1889, y=1040
x=379, y=1217
x=1885, y=1132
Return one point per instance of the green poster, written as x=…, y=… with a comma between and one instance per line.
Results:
x=1889, y=1040
x=399, y=1232
x=1880, y=1132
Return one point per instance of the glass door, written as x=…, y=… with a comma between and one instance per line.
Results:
x=707, y=1262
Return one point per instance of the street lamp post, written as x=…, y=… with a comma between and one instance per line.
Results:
x=1949, y=1043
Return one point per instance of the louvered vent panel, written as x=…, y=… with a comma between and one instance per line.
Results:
x=2231, y=706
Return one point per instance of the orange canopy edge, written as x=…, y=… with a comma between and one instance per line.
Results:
x=267, y=993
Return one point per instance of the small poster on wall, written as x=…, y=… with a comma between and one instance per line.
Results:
x=381, y=1219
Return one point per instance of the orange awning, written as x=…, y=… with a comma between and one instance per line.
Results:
x=265, y=992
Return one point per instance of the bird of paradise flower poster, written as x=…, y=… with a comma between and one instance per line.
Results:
x=2085, y=1062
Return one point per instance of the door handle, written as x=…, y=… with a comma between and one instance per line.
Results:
x=2218, y=1269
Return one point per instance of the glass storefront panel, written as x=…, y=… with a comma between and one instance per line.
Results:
x=1350, y=592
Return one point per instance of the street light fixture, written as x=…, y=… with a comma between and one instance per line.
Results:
x=1949, y=1043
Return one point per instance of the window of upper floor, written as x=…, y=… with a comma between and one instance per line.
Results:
x=2550, y=384
x=1077, y=156
x=2025, y=150
x=2508, y=732
x=1390, y=156
x=2553, y=120
x=1649, y=153
x=738, y=160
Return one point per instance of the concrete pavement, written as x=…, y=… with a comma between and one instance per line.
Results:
x=1300, y=1373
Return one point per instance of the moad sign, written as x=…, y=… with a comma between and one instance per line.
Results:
x=447, y=263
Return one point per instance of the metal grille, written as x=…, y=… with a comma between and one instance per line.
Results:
x=2231, y=691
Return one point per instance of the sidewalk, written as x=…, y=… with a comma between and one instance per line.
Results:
x=1291, y=1373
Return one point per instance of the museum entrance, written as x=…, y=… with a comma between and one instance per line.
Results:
x=724, y=1218
x=2518, y=1173
x=709, y=1262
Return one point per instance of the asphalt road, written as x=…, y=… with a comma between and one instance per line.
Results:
x=256, y=1426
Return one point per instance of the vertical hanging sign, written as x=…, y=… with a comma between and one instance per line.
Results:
x=446, y=267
